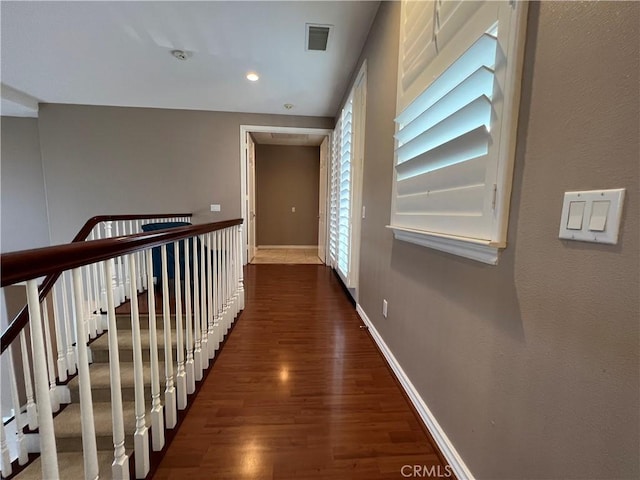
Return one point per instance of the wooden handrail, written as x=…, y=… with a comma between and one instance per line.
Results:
x=34, y=263
x=22, y=318
x=93, y=221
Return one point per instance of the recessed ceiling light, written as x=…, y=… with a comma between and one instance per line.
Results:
x=252, y=76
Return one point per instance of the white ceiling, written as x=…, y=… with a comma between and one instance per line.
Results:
x=267, y=138
x=118, y=53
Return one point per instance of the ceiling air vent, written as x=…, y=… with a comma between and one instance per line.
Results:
x=318, y=37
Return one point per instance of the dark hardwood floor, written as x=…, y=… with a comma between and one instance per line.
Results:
x=299, y=391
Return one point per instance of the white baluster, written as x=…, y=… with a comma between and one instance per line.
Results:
x=48, y=451
x=227, y=277
x=140, y=261
x=225, y=282
x=68, y=321
x=219, y=289
x=215, y=290
x=114, y=281
x=120, y=465
x=127, y=274
x=96, y=312
x=96, y=294
x=233, y=283
x=119, y=271
x=92, y=325
x=23, y=456
x=210, y=341
x=189, y=369
x=53, y=395
x=157, y=419
x=240, y=269
x=234, y=278
x=197, y=352
x=77, y=316
x=32, y=409
x=89, y=447
x=62, y=348
x=141, y=435
x=4, y=453
x=204, y=340
x=97, y=289
x=170, y=411
x=103, y=285
x=181, y=378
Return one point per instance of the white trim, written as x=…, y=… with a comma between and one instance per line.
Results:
x=274, y=247
x=480, y=250
x=244, y=129
x=510, y=117
x=446, y=447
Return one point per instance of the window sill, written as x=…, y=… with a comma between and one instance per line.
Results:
x=479, y=250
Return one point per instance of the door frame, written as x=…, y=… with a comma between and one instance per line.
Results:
x=250, y=204
x=245, y=194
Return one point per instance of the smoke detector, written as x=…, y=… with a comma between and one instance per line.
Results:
x=180, y=54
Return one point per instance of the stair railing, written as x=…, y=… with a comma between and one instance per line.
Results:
x=95, y=276
x=58, y=288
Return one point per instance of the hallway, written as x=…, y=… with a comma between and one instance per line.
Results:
x=298, y=391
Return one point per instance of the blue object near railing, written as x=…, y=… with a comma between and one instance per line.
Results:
x=157, y=259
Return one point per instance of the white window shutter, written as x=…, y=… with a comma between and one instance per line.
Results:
x=345, y=179
x=417, y=48
x=458, y=90
x=334, y=194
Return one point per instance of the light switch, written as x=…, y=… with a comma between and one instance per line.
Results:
x=592, y=215
x=576, y=213
x=599, y=212
x=215, y=207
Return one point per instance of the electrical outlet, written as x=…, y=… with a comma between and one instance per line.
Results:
x=385, y=305
x=293, y=209
x=215, y=207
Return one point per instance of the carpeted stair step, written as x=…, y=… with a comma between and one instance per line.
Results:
x=71, y=466
x=100, y=347
x=69, y=430
x=123, y=321
x=101, y=386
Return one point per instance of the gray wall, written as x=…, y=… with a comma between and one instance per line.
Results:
x=531, y=366
x=287, y=176
x=110, y=160
x=23, y=216
x=23, y=200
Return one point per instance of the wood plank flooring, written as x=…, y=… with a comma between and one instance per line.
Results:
x=298, y=392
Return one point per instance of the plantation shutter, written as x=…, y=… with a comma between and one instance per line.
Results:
x=344, y=203
x=458, y=85
x=334, y=194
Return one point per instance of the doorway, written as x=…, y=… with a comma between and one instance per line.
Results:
x=281, y=225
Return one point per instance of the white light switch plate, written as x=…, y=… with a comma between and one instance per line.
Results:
x=215, y=207
x=599, y=223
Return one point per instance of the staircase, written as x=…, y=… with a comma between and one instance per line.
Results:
x=110, y=424
x=67, y=421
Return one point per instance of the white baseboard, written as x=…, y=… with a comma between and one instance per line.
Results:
x=271, y=247
x=441, y=439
